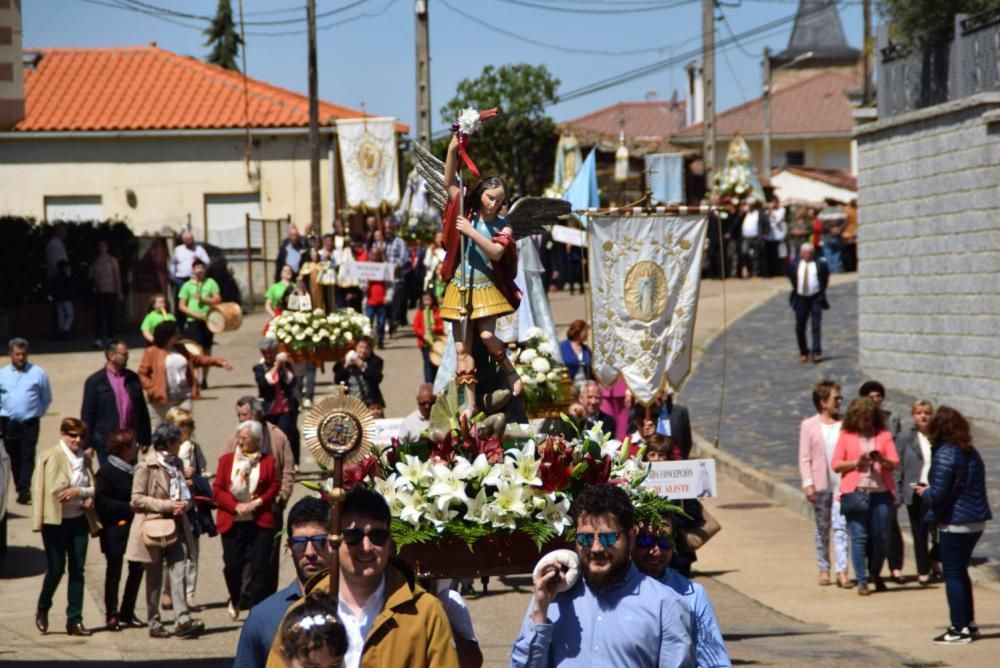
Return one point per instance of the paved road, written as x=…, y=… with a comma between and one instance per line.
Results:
x=768, y=392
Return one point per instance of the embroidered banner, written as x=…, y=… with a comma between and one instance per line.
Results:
x=645, y=273
x=368, y=161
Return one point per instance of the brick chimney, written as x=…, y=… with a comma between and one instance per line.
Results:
x=11, y=64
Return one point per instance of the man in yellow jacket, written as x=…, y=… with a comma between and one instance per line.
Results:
x=391, y=621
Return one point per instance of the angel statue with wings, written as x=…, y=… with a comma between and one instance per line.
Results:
x=481, y=261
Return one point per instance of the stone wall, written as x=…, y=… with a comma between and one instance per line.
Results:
x=929, y=254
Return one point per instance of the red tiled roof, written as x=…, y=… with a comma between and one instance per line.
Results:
x=648, y=125
x=817, y=105
x=147, y=88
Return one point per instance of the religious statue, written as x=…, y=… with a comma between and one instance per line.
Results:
x=481, y=261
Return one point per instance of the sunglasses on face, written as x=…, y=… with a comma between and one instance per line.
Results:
x=378, y=537
x=646, y=541
x=607, y=539
x=319, y=542
x=73, y=434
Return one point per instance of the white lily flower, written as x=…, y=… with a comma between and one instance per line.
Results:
x=479, y=468
x=476, y=508
x=525, y=468
x=499, y=473
x=413, y=472
x=556, y=514
x=509, y=500
x=439, y=516
x=415, y=506
x=448, y=487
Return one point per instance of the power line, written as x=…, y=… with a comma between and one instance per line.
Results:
x=333, y=24
x=150, y=7
x=555, y=47
x=638, y=72
x=739, y=46
x=650, y=7
x=137, y=10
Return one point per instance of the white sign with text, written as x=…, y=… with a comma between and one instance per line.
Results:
x=386, y=430
x=569, y=235
x=371, y=271
x=689, y=479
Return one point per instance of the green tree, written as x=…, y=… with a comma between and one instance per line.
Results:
x=223, y=38
x=921, y=22
x=519, y=144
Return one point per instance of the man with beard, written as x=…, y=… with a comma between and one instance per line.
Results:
x=308, y=543
x=614, y=615
x=652, y=553
x=391, y=621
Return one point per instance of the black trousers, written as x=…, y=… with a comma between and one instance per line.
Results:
x=921, y=535
x=270, y=577
x=113, y=577
x=20, y=439
x=246, y=556
x=807, y=308
x=106, y=305
x=286, y=422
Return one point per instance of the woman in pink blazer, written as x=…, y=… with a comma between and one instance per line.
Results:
x=817, y=439
x=865, y=457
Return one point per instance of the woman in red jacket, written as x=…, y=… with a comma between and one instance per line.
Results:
x=429, y=328
x=865, y=457
x=246, y=485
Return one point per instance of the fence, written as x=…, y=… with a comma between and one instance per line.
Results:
x=913, y=79
x=252, y=265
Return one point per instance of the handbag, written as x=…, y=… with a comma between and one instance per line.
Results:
x=159, y=532
x=698, y=536
x=855, y=502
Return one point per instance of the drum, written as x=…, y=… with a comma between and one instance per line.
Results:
x=226, y=317
x=437, y=351
x=192, y=346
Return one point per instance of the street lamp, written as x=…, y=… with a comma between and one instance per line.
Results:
x=767, y=100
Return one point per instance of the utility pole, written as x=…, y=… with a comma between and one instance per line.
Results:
x=708, y=75
x=866, y=53
x=313, y=121
x=423, y=128
x=766, y=65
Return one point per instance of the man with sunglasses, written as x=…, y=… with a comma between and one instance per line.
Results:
x=308, y=522
x=416, y=422
x=614, y=615
x=652, y=554
x=391, y=621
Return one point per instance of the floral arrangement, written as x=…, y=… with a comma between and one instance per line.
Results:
x=545, y=380
x=473, y=486
x=309, y=330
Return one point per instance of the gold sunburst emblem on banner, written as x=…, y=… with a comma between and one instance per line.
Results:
x=645, y=291
x=339, y=426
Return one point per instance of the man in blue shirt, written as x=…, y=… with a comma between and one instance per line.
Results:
x=614, y=615
x=25, y=395
x=652, y=556
x=308, y=522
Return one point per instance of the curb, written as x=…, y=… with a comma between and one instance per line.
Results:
x=985, y=575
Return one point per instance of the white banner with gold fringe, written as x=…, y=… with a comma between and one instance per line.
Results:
x=645, y=272
x=368, y=162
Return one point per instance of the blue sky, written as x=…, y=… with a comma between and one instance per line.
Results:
x=372, y=58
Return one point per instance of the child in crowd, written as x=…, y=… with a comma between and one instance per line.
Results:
x=155, y=314
x=312, y=635
x=662, y=448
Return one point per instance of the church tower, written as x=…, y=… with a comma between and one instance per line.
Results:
x=817, y=29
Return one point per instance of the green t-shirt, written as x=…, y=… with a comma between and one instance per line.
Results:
x=191, y=291
x=154, y=318
x=275, y=293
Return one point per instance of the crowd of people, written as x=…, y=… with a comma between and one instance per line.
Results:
x=130, y=471
x=747, y=238
x=859, y=469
